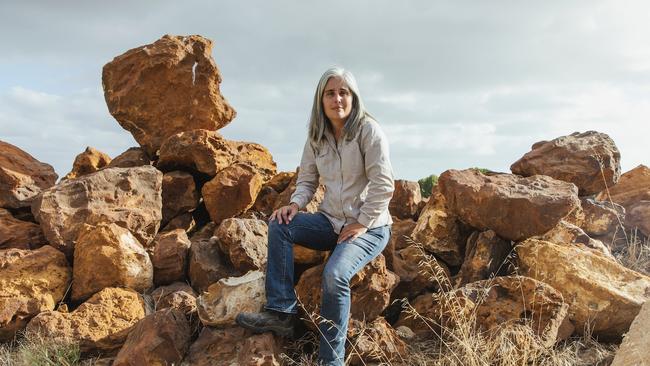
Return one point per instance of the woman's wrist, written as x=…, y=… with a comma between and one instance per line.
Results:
x=295, y=205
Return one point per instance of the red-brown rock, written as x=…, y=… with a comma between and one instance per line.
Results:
x=630, y=192
x=19, y=234
x=207, y=264
x=167, y=87
x=233, y=346
x=89, y=161
x=232, y=191
x=515, y=208
x=256, y=156
x=178, y=295
x=485, y=255
x=577, y=158
x=601, y=218
x=170, y=256
x=244, y=242
x=22, y=177
x=179, y=194
x=132, y=157
x=418, y=272
x=406, y=198
x=375, y=342
x=201, y=151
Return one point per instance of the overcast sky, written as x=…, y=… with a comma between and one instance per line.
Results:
x=454, y=84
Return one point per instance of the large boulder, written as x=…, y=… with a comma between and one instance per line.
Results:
x=170, y=256
x=22, y=177
x=207, y=263
x=418, y=272
x=600, y=218
x=632, y=192
x=232, y=191
x=371, y=289
x=515, y=208
x=244, y=241
x=590, y=160
x=233, y=346
x=161, y=338
x=230, y=296
x=638, y=217
x=178, y=295
x=89, y=161
x=485, y=256
x=200, y=151
x=123, y=261
x=179, y=194
x=101, y=323
x=633, y=349
x=31, y=281
x=256, y=156
x=266, y=199
x=406, y=199
x=19, y=234
x=568, y=234
x=603, y=296
x=132, y=157
x=169, y=86
x=375, y=342
x=128, y=197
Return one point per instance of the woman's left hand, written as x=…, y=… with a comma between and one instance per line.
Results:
x=351, y=232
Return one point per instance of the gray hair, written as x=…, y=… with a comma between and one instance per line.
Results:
x=318, y=121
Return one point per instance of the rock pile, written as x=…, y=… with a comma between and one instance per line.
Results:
x=142, y=254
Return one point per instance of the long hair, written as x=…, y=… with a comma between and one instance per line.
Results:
x=318, y=121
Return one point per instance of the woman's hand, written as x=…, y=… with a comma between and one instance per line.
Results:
x=351, y=232
x=285, y=213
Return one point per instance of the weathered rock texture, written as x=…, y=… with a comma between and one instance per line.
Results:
x=568, y=234
x=256, y=156
x=375, y=342
x=200, y=151
x=100, y=323
x=485, y=255
x=207, y=263
x=418, y=272
x=633, y=192
x=89, y=161
x=577, y=158
x=167, y=87
x=244, y=241
x=128, y=197
x=22, y=177
x=161, y=338
x=31, y=281
x=406, y=198
x=601, y=293
x=132, y=157
x=515, y=208
x=601, y=218
x=232, y=191
x=19, y=234
x=179, y=194
x=170, y=256
x=178, y=295
x=634, y=348
x=233, y=346
x=230, y=296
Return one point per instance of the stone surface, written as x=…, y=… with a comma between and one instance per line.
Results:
x=515, y=208
x=244, y=241
x=19, y=234
x=22, y=177
x=485, y=255
x=406, y=198
x=418, y=272
x=201, y=151
x=233, y=346
x=170, y=256
x=179, y=194
x=634, y=348
x=131, y=158
x=634, y=186
x=101, y=323
x=371, y=289
x=600, y=292
x=439, y=231
x=256, y=156
x=184, y=221
x=207, y=263
x=303, y=255
x=31, y=281
x=638, y=217
x=601, y=218
x=231, y=192
x=108, y=255
x=590, y=160
x=128, y=197
x=89, y=161
x=230, y=296
x=266, y=199
x=401, y=233
x=178, y=295
x=568, y=234
x=285, y=196
x=167, y=87
x=161, y=338
x=375, y=342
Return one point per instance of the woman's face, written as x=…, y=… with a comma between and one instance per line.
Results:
x=337, y=100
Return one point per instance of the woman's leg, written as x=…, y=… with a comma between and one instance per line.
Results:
x=311, y=230
x=348, y=258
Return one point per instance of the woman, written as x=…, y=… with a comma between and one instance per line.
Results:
x=347, y=150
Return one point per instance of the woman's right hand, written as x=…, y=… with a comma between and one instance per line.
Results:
x=285, y=214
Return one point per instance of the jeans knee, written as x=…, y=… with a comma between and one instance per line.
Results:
x=277, y=230
x=334, y=280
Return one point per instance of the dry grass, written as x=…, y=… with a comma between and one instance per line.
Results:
x=34, y=350
x=635, y=254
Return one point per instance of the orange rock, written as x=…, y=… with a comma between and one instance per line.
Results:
x=485, y=256
x=19, y=234
x=22, y=177
x=406, y=198
x=169, y=86
x=244, y=241
x=418, y=272
x=89, y=161
x=179, y=194
x=132, y=157
x=170, y=256
x=207, y=263
x=178, y=295
x=633, y=192
x=233, y=346
x=201, y=151
x=256, y=156
x=232, y=191
x=601, y=218
x=375, y=342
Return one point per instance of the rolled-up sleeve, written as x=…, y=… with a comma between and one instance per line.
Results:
x=307, y=181
x=379, y=173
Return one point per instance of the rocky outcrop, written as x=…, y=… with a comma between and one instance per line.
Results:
x=179, y=194
x=602, y=295
x=244, y=242
x=485, y=256
x=178, y=295
x=200, y=151
x=128, y=197
x=169, y=86
x=131, y=158
x=233, y=346
x=232, y=191
x=31, y=281
x=89, y=161
x=19, y=234
x=161, y=338
x=406, y=199
x=230, y=296
x=101, y=323
x=633, y=349
x=590, y=160
x=207, y=263
x=121, y=258
x=22, y=177
x=515, y=208
x=170, y=256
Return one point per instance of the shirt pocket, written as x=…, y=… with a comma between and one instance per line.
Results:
x=325, y=160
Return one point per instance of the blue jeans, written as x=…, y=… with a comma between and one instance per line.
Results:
x=315, y=232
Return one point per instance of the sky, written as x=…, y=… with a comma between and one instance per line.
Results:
x=454, y=84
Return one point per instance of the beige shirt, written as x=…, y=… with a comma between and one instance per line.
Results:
x=357, y=176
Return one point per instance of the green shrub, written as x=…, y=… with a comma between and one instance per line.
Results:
x=426, y=185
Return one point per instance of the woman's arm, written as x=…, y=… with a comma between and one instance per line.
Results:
x=307, y=181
